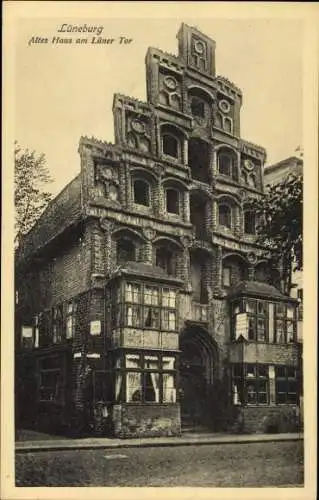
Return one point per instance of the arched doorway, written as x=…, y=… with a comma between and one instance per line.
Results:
x=197, y=369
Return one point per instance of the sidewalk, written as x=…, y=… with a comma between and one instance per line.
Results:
x=186, y=439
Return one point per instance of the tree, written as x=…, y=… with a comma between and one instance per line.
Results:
x=279, y=228
x=31, y=176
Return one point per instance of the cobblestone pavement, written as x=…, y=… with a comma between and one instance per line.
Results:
x=219, y=465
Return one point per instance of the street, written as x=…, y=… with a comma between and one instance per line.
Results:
x=224, y=465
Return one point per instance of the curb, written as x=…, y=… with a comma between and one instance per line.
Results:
x=33, y=447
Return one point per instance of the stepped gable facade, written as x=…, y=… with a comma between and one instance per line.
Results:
x=144, y=305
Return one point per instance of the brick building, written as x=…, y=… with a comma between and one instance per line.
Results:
x=144, y=305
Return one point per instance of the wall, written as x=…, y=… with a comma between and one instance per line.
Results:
x=62, y=275
x=266, y=419
x=146, y=420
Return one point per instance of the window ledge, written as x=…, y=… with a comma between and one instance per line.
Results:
x=143, y=208
x=173, y=215
x=172, y=159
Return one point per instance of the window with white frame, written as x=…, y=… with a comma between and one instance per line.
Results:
x=256, y=313
x=36, y=330
x=250, y=384
x=145, y=378
x=285, y=323
x=57, y=324
x=149, y=307
x=70, y=319
x=27, y=336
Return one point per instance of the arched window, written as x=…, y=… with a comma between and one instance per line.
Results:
x=199, y=268
x=226, y=275
x=141, y=192
x=225, y=164
x=125, y=251
x=228, y=125
x=172, y=201
x=249, y=222
x=199, y=215
x=251, y=180
x=170, y=145
x=198, y=107
x=235, y=269
x=224, y=215
x=165, y=260
x=198, y=159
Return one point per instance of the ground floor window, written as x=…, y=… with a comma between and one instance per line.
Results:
x=286, y=385
x=145, y=378
x=250, y=384
x=51, y=379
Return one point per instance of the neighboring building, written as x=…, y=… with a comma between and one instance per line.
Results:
x=273, y=174
x=144, y=303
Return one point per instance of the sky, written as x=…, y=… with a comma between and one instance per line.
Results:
x=64, y=91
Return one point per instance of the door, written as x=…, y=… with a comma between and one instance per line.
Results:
x=192, y=384
x=192, y=396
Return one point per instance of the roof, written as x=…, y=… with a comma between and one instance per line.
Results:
x=291, y=161
x=62, y=212
x=142, y=270
x=258, y=289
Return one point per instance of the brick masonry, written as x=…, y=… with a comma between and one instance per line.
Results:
x=267, y=419
x=146, y=420
x=77, y=264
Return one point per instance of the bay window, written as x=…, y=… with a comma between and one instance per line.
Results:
x=145, y=378
x=255, y=315
x=251, y=316
x=146, y=306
